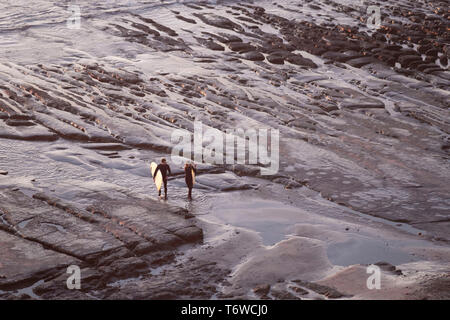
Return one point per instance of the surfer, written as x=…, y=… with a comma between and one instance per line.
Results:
x=190, y=171
x=164, y=168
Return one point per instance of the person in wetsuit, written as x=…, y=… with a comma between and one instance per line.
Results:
x=165, y=172
x=188, y=168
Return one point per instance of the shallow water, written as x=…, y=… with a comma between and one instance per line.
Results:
x=274, y=221
x=359, y=250
x=270, y=219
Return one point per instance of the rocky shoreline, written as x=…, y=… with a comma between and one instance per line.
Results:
x=364, y=145
x=43, y=236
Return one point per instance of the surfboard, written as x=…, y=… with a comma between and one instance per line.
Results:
x=193, y=176
x=159, y=178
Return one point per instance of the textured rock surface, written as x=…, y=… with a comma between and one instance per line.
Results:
x=41, y=238
x=362, y=113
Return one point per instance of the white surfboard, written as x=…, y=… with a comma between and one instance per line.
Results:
x=159, y=178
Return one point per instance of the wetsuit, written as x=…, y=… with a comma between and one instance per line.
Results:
x=189, y=179
x=165, y=171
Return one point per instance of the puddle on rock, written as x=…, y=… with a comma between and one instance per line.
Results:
x=273, y=220
x=366, y=251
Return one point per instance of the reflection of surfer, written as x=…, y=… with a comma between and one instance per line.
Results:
x=164, y=168
x=190, y=171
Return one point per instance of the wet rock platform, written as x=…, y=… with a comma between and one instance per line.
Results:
x=362, y=114
x=41, y=236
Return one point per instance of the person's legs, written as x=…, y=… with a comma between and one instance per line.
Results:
x=189, y=185
x=165, y=188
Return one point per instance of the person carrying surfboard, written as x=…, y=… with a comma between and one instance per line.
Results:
x=164, y=168
x=190, y=171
